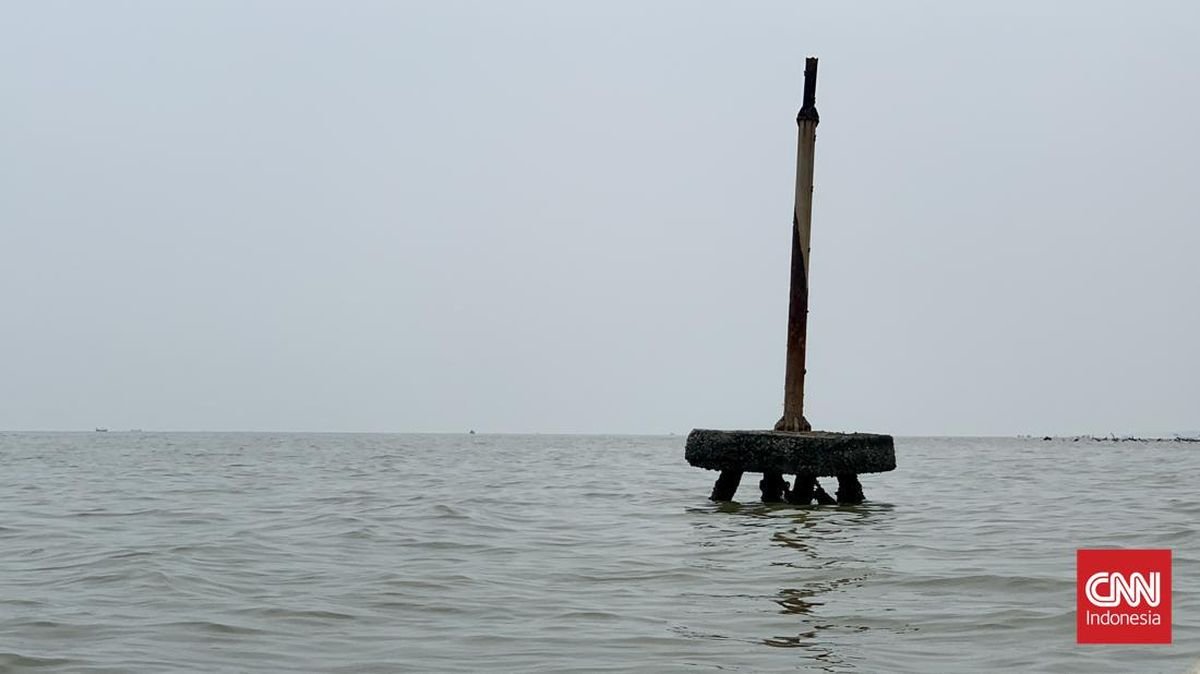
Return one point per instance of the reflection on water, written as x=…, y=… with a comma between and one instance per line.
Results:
x=811, y=536
x=814, y=560
x=797, y=601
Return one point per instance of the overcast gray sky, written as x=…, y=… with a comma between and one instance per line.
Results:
x=574, y=216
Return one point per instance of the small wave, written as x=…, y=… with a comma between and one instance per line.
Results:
x=213, y=627
x=46, y=624
x=100, y=512
x=20, y=602
x=18, y=661
x=449, y=512
x=299, y=614
x=588, y=615
x=991, y=582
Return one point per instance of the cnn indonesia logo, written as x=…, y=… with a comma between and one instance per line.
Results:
x=1123, y=596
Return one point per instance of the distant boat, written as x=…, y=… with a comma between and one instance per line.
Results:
x=472, y=431
x=101, y=430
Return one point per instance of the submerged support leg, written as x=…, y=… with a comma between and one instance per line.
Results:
x=802, y=490
x=773, y=487
x=726, y=485
x=806, y=489
x=850, y=489
x=822, y=496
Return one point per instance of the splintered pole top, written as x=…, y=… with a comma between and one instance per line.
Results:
x=808, y=111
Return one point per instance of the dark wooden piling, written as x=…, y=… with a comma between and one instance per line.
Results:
x=773, y=487
x=801, y=492
x=850, y=490
x=726, y=486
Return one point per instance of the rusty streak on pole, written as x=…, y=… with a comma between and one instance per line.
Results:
x=793, y=391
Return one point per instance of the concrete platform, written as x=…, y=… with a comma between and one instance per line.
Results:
x=815, y=453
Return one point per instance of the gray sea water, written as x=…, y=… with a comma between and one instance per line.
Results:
x=131, y=552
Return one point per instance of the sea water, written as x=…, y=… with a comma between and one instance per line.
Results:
x=186, y=552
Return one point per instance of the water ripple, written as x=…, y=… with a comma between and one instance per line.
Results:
x=358, y=553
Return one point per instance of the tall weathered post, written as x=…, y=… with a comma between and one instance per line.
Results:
x=793, y=447
x=797, y=331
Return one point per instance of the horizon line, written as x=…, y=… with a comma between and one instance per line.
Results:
x=666, y=434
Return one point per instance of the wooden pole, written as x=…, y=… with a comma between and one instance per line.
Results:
x=793, y=389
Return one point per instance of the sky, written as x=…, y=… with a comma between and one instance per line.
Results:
x=574, y=217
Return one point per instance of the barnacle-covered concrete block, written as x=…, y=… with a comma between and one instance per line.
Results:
x=815, y=453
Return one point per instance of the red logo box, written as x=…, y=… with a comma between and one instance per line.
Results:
x=1123, y=596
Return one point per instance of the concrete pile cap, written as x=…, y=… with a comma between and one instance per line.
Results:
x=815, y=453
